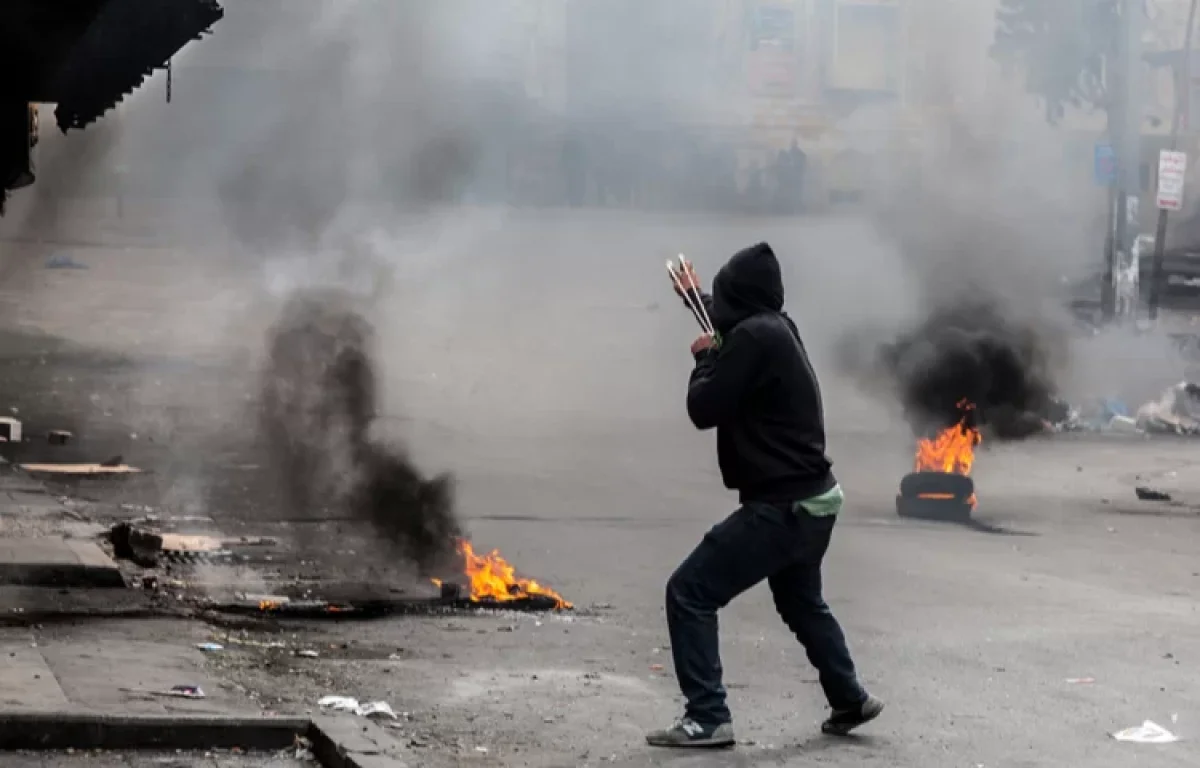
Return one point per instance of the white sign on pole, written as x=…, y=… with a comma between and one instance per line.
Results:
x=1171, y=169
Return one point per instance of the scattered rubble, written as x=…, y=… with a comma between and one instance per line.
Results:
x=10, y=430
x=175, y=692
x=135, y=544
x=1176, y=412
x=80, y=469
x=1149, y=494
x=64, y=261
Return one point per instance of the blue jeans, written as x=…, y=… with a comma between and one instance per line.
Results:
x=785, y=545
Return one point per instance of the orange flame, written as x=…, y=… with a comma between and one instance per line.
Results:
x=494, y=579
x=269, y=605
x=952, y=451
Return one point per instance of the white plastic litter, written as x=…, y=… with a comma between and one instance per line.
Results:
x=339, y=704
x=1124, y=424
x=1147, y=733
x=377, y=708
x=347, y=704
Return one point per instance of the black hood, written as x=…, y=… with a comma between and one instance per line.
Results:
x=750, y=283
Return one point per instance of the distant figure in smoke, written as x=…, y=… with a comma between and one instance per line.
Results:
x=797, y=165
x=753, y=382
x=575, y=168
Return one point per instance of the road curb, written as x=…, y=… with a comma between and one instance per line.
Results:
x=86, y=731
x=61, y=575
x=337, y=742
x=346, y=742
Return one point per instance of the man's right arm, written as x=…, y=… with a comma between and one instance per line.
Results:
x=721, y=379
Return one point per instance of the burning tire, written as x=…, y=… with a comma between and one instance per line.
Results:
x=937, y=484
x=940, y=487
x=940, y=496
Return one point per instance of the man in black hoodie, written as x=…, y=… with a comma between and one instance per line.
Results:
x=753, y=383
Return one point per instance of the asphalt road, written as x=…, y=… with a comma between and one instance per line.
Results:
x=558, y=405
x=152, y=760
x=976, y=640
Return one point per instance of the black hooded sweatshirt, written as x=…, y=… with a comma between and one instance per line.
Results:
x=758, y=387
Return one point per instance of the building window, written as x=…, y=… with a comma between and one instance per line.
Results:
x=772, y=27
x=865, y=55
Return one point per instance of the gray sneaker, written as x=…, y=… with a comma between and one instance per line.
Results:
x=688, y=733
x=841, y=722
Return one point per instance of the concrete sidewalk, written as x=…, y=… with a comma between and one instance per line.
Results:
x=101, y=680
x=103, y=665
x=42, y=544
x=112, y=666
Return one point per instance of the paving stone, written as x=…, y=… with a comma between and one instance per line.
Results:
x=26, y=682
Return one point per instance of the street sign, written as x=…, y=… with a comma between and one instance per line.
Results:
x=1105, y=165
x=1171, y=168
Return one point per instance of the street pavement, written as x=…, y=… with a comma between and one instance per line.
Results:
x=1025, y=647
x=557, y=401
x=978, y=641
x=151, y=760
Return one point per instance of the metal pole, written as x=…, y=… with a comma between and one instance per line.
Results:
x=1108, y=296
x=1129, y=148
x=1182, y=98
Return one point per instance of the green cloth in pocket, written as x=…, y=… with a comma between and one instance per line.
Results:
x=827, y=504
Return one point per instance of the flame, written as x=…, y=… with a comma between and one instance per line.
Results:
x=269, y=605
x=493, y=578
x=953, y=450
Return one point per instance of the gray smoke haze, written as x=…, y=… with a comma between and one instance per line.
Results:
x=412, y=153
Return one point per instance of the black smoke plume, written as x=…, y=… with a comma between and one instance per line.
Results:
x=318, y=405
x=973, y=350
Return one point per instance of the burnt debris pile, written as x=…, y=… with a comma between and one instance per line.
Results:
x=972, y=350
x=318, y=405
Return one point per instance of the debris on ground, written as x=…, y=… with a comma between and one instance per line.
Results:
x=175, y=691
x=1124, y=425
x=301, y=750
x=210, y=647
x=1148, y=732
x=351, y=706
x=1149, y=494
x=248, y=643
x=1175, y=412
x=308, y=654
x=339, y=704
x=80, y=469
x=1080, y=680
x=185, y=691
x=180, y=543
x=135, y=544
x=10, y=430
x=63, y=261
